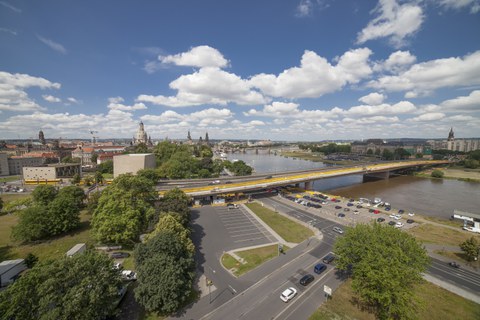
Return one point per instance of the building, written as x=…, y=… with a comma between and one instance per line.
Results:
x=131, y=163
x=85, y=153
x=9, y=271
x=462, y=145
x=141, y=135
x=51, y=171
x=377, y=146
x=16, y=164
x=4, y=171
x=76, y=249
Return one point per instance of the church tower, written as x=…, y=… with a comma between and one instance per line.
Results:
x=451, y=135
x=141, y=136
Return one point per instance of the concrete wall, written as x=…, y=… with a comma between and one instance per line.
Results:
x=131, y=163
x=4, y=171
x=40, y=173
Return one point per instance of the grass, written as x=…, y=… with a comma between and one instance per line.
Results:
x=13, y=196
x=9, y=179
x=253, y=258
x=451, y=223
x=48, y=249
x=459, y=256
x=438, y=303
x=289, y=230
x=435, y=234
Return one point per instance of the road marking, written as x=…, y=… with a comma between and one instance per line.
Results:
x=243, y=235
x=251, y=239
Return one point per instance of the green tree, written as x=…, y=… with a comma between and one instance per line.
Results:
x=475, y=155
x=98, y=177
x=172, y=222
x=204, y=173
x=377, y=152
x=164, y=151
x=167, y=290
x=106, y=167
x=92, y=201
x=76, y=178
x=44, y=194
x=81, y=287
x=471, y=247
x=419, y=155
x=31, y=260
x=124, y=209
x=88, y=180
x=1, y=204
x=94, y=158
x=369, y=152
x=150, y=174
x=206, y=152
x=32, y=224
x=63, y=215
x=76, y=193
x=437, y=174
x=140, y=148
x=387, y=154
x=69, y=159
x=240, y=168
x=385, y=263
x=175, y=200
x=472, y=164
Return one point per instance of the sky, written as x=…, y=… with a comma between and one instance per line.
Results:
x=284, y=70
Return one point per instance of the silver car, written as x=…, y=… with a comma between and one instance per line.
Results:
x=338, y=230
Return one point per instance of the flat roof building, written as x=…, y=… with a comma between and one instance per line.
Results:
x=132, y=163
x=51, y=171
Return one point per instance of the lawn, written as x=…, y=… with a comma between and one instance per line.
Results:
x=7, y=197
x=459, y=256
x=253, y=258
x=9, y=179
x=289, y=230
x=438, y=304
x=53, y=248
x=435, y=234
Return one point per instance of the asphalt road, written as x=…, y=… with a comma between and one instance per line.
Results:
x=461, y=277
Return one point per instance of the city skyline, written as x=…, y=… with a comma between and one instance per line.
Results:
x=303, y=70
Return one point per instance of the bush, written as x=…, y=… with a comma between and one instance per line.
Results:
x=437, y=174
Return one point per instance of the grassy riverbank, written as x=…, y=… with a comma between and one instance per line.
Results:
x=457, y=173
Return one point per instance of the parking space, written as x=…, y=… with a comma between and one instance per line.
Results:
x=243, y=229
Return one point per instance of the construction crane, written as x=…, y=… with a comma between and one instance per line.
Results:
x=92, y=132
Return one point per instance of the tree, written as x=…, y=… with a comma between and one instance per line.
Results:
x=387, y=154
x=98, y=177
x=92, y=201
x=32, y=224
x=175, y=200
x=80, y=287
x=76, y=193
x=150, y=174
x=472, y=164
x=240, y=168
x=471, y=247
x=76, y=178
x=437, y=174
x=124, y=209
x=63, y=215
x=69, y=159
x=164, y=272
x=369, y=152
x=94, y=158
x=44, y=194
x=31, y=260
x=172, y=222
x=1, y=204
x=141, y=148
x=419, y=155
x=106, y=167
x=204, y=173
x=385, y=263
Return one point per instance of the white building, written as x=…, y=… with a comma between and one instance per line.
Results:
x=132, y=163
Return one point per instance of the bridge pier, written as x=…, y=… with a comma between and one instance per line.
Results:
x=308, y=185
x=374, y=176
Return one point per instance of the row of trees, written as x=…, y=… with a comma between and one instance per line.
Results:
x=328, y=149
x=49, y=213
x=238, y=168
x=84, y=286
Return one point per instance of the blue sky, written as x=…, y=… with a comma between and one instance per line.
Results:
x=298, y=70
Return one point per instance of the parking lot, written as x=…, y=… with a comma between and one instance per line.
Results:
x=243, y=229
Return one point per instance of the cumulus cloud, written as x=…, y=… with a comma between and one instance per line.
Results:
x=115, y=103
x=73, y=100
x=422, y=78
x=51, y=98
x=315, y=76
x=204, y=117
x=13, y=96
x=398, y=108
x=464, y=103
x=397, y=61
x=201, y=56
x=429, y=117
x=373, y=98
x=474, y=5
x=208, y=85
x=394, y=21
x=304, y=8
x=53, y=45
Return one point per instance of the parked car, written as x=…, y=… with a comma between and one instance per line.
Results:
x=392, y=215
x=399, y=225
x=359, y=206
x=232, y=206
x=397, y=217
x=306, y=279
x=391, y=223
x=288, y=294
x=129, y=275
x=319, y=268
x=376, y=211
x=338, y=207
x=380, y=219
x=371, y=210
x=346, y=209
x=355, y=211
x=338, y=230
x=401, y=211
x=411, y=214
x=117, y=255
x=454, y=264
x=328, y=258
x=388, y=208
x=410, y=221
x=341, y=215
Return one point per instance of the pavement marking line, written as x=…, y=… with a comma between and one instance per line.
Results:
x=470, y=278
x=236, y=223
x=243, y=230
x=301, y=294
x=235, y=226
x=243, y=235
x=250, y=239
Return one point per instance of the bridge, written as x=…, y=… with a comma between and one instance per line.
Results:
x=377, y=170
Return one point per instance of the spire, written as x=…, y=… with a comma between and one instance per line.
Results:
x=451, y=135
x=189, y=137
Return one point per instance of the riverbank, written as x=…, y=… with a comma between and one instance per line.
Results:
x=318, y=157
x=457, y=173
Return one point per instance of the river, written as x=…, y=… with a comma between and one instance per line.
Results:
x=428, y=197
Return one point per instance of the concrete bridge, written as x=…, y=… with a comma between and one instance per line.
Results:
x=375, y=171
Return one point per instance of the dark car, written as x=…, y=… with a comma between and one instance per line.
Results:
x=341, y=215
x=346, y=209
x=328, y=258
x=351, y=200
x=350, y=204
x=337, y=200
x=268, y=177
x=401, y=211
x=388, y=208
x=306, y=279
x=228, y=182
x=454, y=264
x=371, y=210
x=359, y=206
x=410, y=221
x=391, y=223
x=338, y=207
x=319, y=268
x=117, y=255
x=380, y=219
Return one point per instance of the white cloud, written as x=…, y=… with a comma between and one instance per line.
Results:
x=315, y=76
x=152, y=66
x=12, y=32
x=115, y=103
x=207, y=86
x=51, y=98
x=429, y=117
x=204, y=117
x=304, y=8
x=53, y=45
x=13, y=96
x=201, y=56
x=11, y=7
x=398, y=108
x=422, y=78
x=397, y=62
x=394, y=21
x=474, y=5
x=73, y=100
x=460, y=118
x=255, y=123
x=373, y=98
x=464, y=103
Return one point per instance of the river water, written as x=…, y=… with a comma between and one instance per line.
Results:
x=428, y=197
